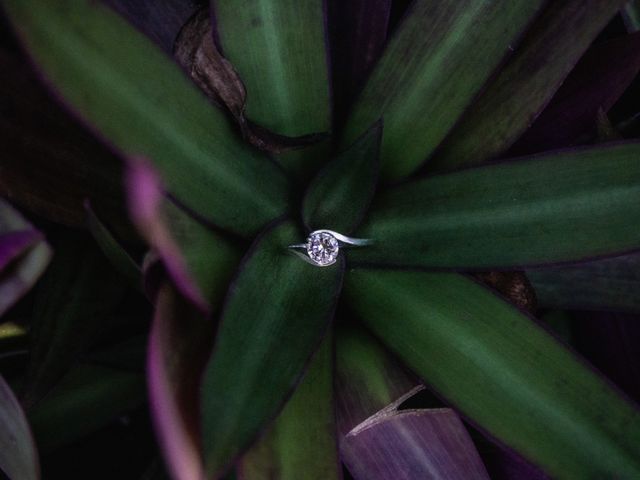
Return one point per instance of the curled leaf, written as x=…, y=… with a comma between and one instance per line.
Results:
x=368, y=378
x=502, y=370
x=196, y=51
x=412, y=444
x=18, y=455
x=198, y=259
x=24, y=255
x=180, y=338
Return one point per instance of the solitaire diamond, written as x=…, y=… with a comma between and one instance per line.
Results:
x=322, y=248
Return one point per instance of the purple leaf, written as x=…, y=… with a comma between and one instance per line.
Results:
x=368, y=378
x=175, y=362
x=412, y=444
x=75, y=308
x=597, y=82
x=24, y=256
x=18, y=455
x=14, y=244
x=146, y=196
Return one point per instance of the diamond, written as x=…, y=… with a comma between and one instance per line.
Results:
x=322, y=248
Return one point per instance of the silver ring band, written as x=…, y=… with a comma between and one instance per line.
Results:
x=323, y=246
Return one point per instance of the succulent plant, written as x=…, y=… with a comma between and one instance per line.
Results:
x=329, y=205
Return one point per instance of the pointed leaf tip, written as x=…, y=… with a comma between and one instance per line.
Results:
x=276, y=312
x=146, y=198
x=341, y=193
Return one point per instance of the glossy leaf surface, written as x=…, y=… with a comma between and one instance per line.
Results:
x=339, y=196
x=530, y=78
x=142, y=103
x=434, y=65
x=278, y=48
x=412, y=444
x=562, y=206
x=276, y=300
x=301, y=443
x=501, y=370
x=18, y=454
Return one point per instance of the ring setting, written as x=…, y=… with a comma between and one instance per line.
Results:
x=322, y=247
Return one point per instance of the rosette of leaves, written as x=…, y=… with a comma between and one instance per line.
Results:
x=301, y=116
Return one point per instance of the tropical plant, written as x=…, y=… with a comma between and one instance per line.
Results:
x=472, y=144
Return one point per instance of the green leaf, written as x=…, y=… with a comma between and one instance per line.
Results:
x=278, y=48
x=139, y=100
x=113, y=249
x=78, y=295
x=368, y=379
x=501, y=370
x=87, y=399
x=302, y=441
x=18, y=454
x=277, y=310
x=179, y=344
x=341, y=193
x=198, y=258
x=631, y=15
x=210, y=257
x=528, y=81
x=435, y=64
x=563, y=206
x=611, y=284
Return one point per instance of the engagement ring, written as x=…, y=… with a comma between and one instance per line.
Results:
x=323, y=246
